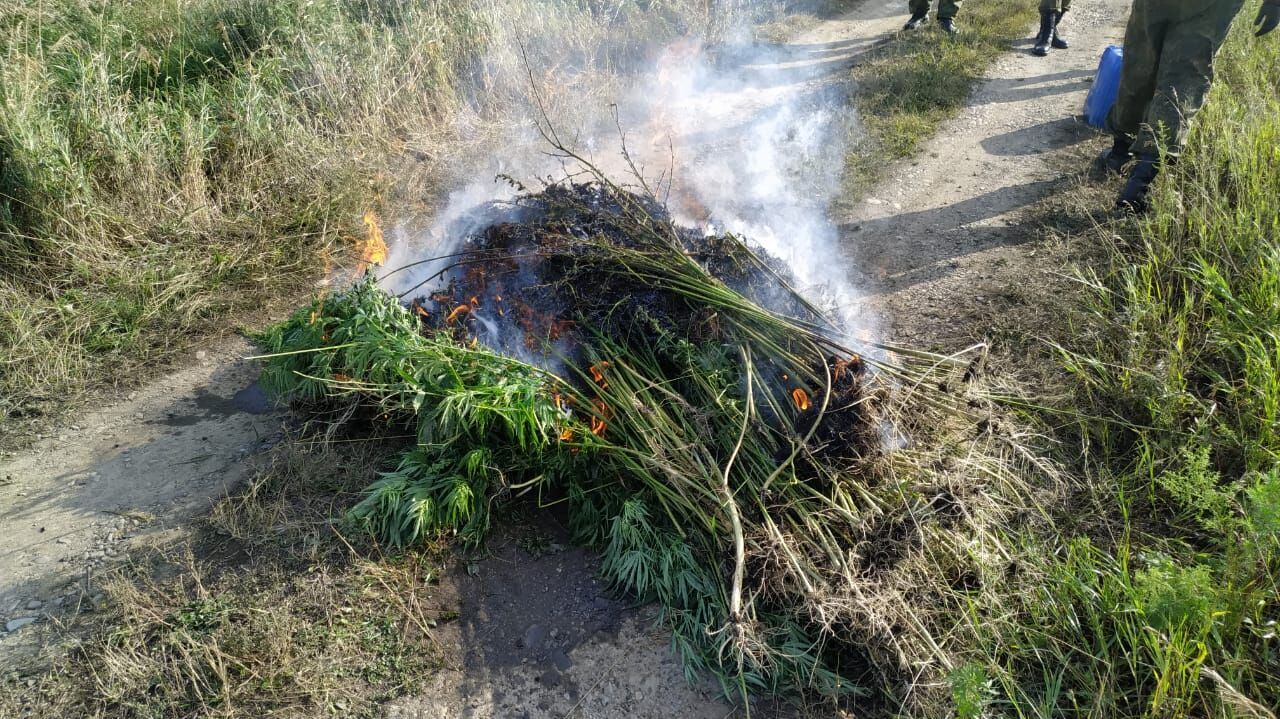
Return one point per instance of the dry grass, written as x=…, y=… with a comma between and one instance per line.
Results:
x=168, y=168
x=267, y=610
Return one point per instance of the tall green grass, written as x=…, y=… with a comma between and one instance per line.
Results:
x=1166, y=603
x=168, y=166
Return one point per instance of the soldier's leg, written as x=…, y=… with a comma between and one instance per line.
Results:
x=1048, y=23
x=1184, y=76
x=1182, y=81
x=1143, y=41
x=1059, y=41
x=919, y=13
x=947, y=10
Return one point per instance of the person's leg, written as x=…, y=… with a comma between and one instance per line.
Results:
x=1143, y=39
x=1184, y=76
x=1048, y=20
x=1182, y=82
x=947, y=10
x=919, y=14
x=1058, y=40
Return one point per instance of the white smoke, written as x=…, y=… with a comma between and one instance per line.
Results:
x=748, y=138
x=756, y=139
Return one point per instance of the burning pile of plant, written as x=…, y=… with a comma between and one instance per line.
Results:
x=700, y=420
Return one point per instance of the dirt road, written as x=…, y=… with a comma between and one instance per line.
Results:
x=942, y=246
x=938, y=247
x=73, y=503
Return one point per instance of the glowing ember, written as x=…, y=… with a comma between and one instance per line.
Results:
x=801, y=398
x=842, y=366
x=373, y=251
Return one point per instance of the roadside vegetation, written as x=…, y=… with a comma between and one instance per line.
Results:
x=1161, y=597
x=170, y=168
x=167, y=166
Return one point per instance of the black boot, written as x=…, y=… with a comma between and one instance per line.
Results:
x=917, y=20
x=1134, y=196
x=1059, y=42
x=1045, y=36
x=948, y=25
x=1113, y=161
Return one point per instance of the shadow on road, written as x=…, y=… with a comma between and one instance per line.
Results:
x=1020, y=89
x=900, y=250
x=1039, y=139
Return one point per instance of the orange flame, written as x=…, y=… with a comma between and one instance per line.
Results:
x=599, y=421
x=597, y=374
x=801, y=398
x=456, y=313
x=373, y=251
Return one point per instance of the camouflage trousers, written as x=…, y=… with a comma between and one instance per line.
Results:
x=1169, y=47
x=1055, y=5
x=946, y=8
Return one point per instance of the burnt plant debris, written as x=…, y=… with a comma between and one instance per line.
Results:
x=703, y=423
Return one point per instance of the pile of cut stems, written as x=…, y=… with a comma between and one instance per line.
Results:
x=681, y=448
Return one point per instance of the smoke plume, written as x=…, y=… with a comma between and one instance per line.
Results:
x=737, y=136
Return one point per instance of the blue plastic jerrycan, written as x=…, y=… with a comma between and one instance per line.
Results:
x=1106, y=86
